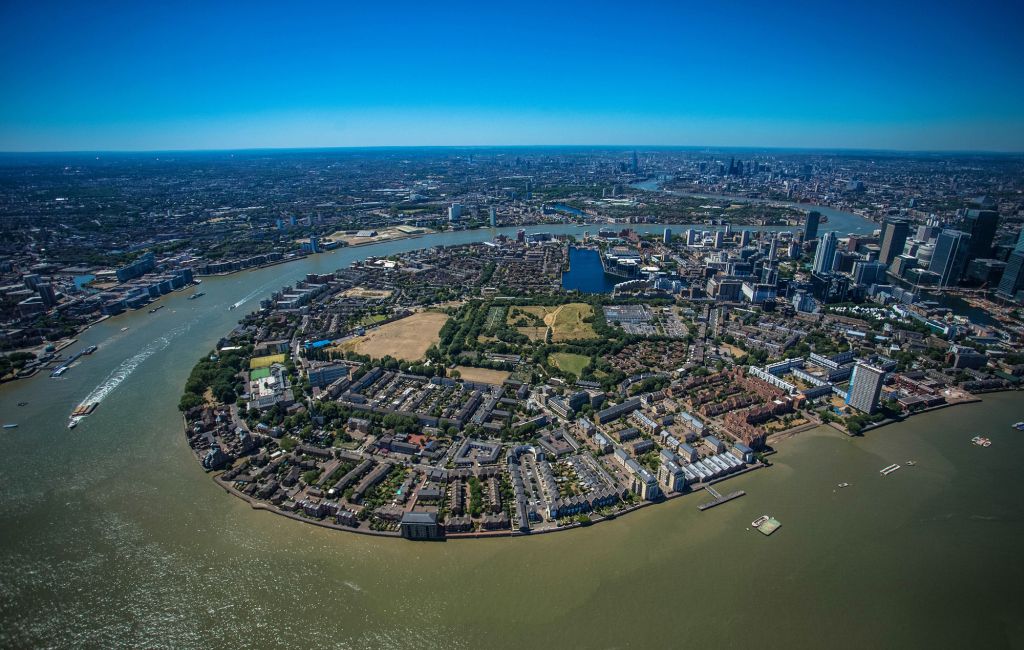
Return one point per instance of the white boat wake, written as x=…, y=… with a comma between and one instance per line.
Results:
x=128, y=366
x=262, y=290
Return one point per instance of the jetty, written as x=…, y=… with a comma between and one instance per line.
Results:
x=719, y=499
x=885, y=471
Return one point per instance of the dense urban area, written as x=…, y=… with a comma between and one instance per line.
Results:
x=710, y=304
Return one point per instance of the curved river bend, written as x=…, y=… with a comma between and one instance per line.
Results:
x=112, y=536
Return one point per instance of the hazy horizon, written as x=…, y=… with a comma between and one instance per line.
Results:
x=485, y=147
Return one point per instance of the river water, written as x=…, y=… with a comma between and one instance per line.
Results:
x=112, y=536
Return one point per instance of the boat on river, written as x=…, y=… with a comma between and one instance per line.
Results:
x=10, y=426
x=84, y=409
x=981, y=441
x=1019, y=426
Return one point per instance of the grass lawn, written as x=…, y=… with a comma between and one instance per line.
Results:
x=568, y=362
x=371, y=319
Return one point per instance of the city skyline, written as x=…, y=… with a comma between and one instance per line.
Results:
x=124, y=78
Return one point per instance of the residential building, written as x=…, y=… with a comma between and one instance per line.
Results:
x=865, y=387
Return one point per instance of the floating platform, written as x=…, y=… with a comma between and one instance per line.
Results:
x=769, y=527
x=720, y=500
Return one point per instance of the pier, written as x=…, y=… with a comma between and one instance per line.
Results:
x=885, y=471
x=719, y=499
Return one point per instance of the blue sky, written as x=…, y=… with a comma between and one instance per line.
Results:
x=153, y=75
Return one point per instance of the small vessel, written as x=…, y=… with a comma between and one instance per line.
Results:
x=981, y=441
x=910, y=463
x=90, y=349
x=156, y=309
x=198, y=294
x=842, y=485
x=84, y=409
x=58, y=371
x=22, y=403
x=124, y=329
x=1019, y=426
x=760, y=520
x=231, y=307
x=885, y=471
x=10, y=426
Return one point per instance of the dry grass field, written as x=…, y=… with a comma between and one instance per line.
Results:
x=565, y=321
x=407, y=339
x=267, y=361
x=483, y=375
x=363, y=292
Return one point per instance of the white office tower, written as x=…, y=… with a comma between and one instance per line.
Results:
x=493, y=213
x=826, y=254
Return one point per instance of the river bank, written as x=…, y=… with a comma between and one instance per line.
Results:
x=115, y=537
x=838, y=218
